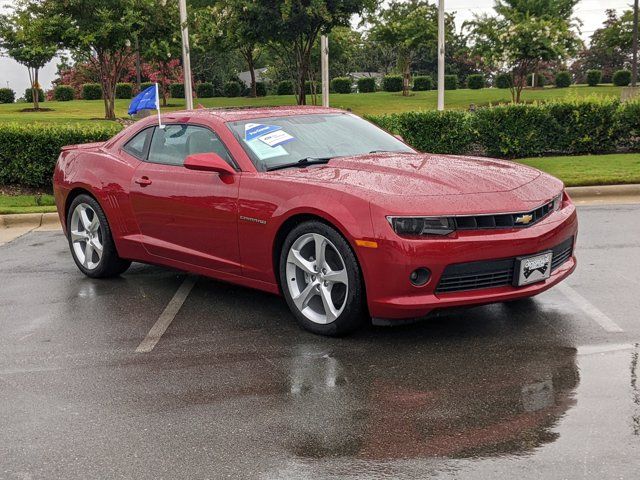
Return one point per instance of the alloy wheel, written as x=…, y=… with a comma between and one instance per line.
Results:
x=86, y=236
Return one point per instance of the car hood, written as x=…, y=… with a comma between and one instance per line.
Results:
x=398, y=179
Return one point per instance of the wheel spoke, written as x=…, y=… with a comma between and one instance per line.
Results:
x=321, y=248
x=78, y=236
x=307, y=294
x=297, y=259
x=97, y=247
x=84, y=219
x=337, y=276
x=88, y=254
x=329, y=309
x=95, y=223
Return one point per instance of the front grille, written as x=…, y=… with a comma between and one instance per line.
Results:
x=504, y=220
x=492, y=273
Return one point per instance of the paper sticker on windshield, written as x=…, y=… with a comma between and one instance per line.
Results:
x=264, y=151
x=255, y=130
x=279, y=137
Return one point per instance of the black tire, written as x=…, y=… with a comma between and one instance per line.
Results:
x=110, y=264
x=352, y=316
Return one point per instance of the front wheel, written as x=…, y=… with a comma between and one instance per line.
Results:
x=90, y=240
x=321, y=280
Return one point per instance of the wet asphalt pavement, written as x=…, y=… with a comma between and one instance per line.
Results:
x=542, y=388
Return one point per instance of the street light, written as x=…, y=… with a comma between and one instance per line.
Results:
x=441, y=55
x=186, y=58
x=324, y=67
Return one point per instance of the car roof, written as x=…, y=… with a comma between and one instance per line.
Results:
x=248, y=113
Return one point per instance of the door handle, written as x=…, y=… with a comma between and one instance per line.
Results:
x=143, y=181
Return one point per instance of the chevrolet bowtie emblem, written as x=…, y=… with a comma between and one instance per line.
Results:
x=524, y=219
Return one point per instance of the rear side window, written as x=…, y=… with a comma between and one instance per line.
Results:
x=173, y=143
x=139, y=144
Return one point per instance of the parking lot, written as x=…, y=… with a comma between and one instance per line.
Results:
x=542, y=388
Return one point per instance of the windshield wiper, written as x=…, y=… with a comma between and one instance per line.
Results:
x=301, y=162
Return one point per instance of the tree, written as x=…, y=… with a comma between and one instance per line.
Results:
x=523, y=34
x=101, y=33
x=408, y=27
x=295, y=25
x=23, y=34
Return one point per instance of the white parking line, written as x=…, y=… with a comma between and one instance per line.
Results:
x=589, y=309
x=167, y=315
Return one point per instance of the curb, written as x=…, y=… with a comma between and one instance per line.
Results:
x=29, y=220
x=593, y=193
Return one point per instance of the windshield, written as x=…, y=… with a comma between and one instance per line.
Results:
x=279, y=141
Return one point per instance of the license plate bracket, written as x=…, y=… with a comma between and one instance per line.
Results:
x=532, y=268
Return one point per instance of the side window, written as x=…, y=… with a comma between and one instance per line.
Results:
x=173, y=143
x=138, y=145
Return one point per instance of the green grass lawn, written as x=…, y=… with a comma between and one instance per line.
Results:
x=590, y=169
x=27, y=204
x=363, y=103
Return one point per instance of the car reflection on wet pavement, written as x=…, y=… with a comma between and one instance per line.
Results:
x=234, y=389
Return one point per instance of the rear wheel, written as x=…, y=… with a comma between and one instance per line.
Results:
x=321, y=280
x=90, y=240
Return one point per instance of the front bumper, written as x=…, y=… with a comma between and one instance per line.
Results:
x=391, y=296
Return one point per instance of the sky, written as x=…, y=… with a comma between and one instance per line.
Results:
x=590, y=12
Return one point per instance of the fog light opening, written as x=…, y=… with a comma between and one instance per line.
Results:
x=420, y=276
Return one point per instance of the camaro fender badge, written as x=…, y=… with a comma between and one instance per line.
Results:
x=254, y=220
x=524, y=219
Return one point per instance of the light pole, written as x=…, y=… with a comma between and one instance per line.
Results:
x=634, y=63
x=186, y=55
x=324, y=67
x=441, y=55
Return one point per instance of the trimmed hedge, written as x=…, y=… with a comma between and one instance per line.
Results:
x=475, y=81
x=176, y=90
x=92, y=91
x=341, y=85
x=28, y=152
x=7, y=95
x=562, y=127
x=145, y=85
x=232, y=89
x=261, y=89
x=285, y=87
x=563, y=80
x=63, y=93
x=504, y=80
x=422, y=83
x=309, y=86
x=366, y=85
x=594, y=77
x=124, y=90
x=450, y=82
x=29, y=98
x=622, y=78
x=392, y=83
x=205, y=90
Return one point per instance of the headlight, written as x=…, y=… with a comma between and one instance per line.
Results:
x=557, y=202
x=422, y=225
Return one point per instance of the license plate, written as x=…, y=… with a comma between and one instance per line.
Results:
x=531, y=269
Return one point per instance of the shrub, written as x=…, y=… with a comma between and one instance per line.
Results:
x=261, y=89
x=504, y=80
x=28, y=152
x=63, y=93
x=622, y=78
x=232, y=89
x=124, y=90
x=176, y=90
x=309, y=87
x=366, y=85
x=392, y=83
x=431, y=131
x=563, y=79
x=475, y=81
x=205, y=90
x=594, y=77
x=450, y=82
x=629, y=124
x=29, y=98
x=422, y=83
x=145, y=85
x=91, y=91
x=7, y=95
x=341, y=85
x=285, y=87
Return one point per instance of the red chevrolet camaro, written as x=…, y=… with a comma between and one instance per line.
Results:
x=343, y=219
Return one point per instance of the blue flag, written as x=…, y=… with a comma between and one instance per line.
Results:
x=145, y=100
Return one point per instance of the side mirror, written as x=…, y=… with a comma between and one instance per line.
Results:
x=208, y=162
x=399, y=137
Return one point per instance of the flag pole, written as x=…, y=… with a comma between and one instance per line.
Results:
x=158, y=106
